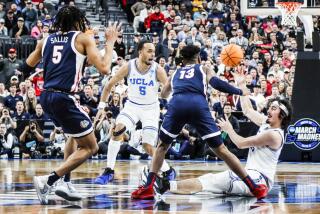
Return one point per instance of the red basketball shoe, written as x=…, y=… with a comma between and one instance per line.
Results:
x=143, y=192
x=261, y=191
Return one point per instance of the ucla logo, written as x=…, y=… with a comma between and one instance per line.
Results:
x=304, y=134
x=141, y=81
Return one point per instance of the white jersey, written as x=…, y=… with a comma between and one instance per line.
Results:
x=142, y=88
x=264, y=159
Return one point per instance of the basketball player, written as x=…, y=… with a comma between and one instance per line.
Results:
x=264, y=152
x=189, y=105
x=64, y=54
x=143, y=76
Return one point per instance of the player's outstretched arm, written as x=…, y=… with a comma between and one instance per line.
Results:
x=33, y=59
x=249, y=112
x=102, y=63
x=221, y=85
x=269, y=138
x=163, y=79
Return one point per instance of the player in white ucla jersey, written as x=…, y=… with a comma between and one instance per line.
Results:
x=264, y=152
x=144, y=77
x=64, y=54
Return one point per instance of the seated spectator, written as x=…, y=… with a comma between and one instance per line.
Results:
x=36, y=31
x=42, y=11
x=19, y=29
x=37, y=80
x=20, y=113
x=2, y=10
x=30, y=15
x=227, y=114
x=39, y=114
x=32, y=141
x=194, y=37
x=6, y=119
x=87, y=97
x=22, y=90
x=58, y=141
x=10, y=20
x=3, y=28
x=115, y=104
x=30, y=101
x=217, y=108
x=3, y=92
x=6, y=142
x=11, y=100
x=9, y=66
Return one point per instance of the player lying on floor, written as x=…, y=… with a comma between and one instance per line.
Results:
x=264, y=152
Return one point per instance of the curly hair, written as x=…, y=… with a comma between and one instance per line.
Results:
x=70, y=18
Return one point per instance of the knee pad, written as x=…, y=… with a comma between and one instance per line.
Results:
x=119, y=132
x=214, y=142
x=149, y=136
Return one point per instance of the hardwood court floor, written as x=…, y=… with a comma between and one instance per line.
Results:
x=296, y=190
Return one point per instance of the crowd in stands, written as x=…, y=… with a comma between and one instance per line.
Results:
x=269, y=64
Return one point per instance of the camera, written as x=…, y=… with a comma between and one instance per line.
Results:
x=1, y=137
x=109, y=112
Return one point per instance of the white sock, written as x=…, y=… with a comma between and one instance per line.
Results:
x=113, y=149
x=165, y=166
x=173, y=185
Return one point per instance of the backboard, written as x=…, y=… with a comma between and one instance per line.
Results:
x=267, y=7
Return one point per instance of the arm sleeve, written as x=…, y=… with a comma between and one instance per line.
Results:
x=223, y=86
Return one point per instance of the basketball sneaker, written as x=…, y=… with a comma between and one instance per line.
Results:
x=260, y=192
x=144, y=193
x=67, y=191
x=106, y=177
x=160, y=186
x=42, y=188
x=170, y=174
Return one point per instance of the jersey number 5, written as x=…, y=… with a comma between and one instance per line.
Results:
x=142, y=90
x=56, y=56
x=186, y=74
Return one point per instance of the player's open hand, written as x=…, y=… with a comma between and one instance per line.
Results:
x=224, y=125
x=99, y=116
x=112, y=32
x=239, y=77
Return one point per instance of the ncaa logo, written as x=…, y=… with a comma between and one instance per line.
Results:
x=84, y=124
x=304, y=134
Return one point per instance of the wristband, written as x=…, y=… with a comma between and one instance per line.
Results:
x=102, y=105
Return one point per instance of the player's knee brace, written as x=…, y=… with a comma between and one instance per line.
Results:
x=165, y=138
x=119, y=132
x=150, y=136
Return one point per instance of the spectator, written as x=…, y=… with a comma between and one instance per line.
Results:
x=9, y=66
x=120, y=61
x=30, y=15
x=30, y=101
x=19, y=29
x=3, y=92
x=22, y=89
x=155, y=21
x=37, y=80
x=258, y=97
x=39, y=114
x=32, y=141
x=20, y=113
x=217, y=108
x=187, y=20
x=10, y=20
x=115, y=104
x=6, y=142
x=119, y=47
x=194, y=37
x=11, y=100
x=58, y=140
x=2, y=11
x=87, y=98
x=3, y=28
x=6, y=119
x=42, y=11
x=240, y=40
x=37, y=30
x=45, y=31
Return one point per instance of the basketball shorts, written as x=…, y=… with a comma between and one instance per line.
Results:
x=228, y=182
x=66, y=113
x=147, y=114
x=189, y=109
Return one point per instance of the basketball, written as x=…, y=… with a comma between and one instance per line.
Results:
x=231, y=55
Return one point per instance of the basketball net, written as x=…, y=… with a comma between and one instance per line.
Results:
x=289, y=12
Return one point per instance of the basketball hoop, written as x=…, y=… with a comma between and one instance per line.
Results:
x=289, y=12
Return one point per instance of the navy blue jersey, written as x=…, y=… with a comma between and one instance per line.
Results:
x=189, y=79
x=63, y=64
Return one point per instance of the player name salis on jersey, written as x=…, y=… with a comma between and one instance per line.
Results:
x=59, y=39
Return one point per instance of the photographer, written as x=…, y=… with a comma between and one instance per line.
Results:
x=58, y=141
x=32, y=141
x=105, y=127
x=7, y=120
x=6, y=141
